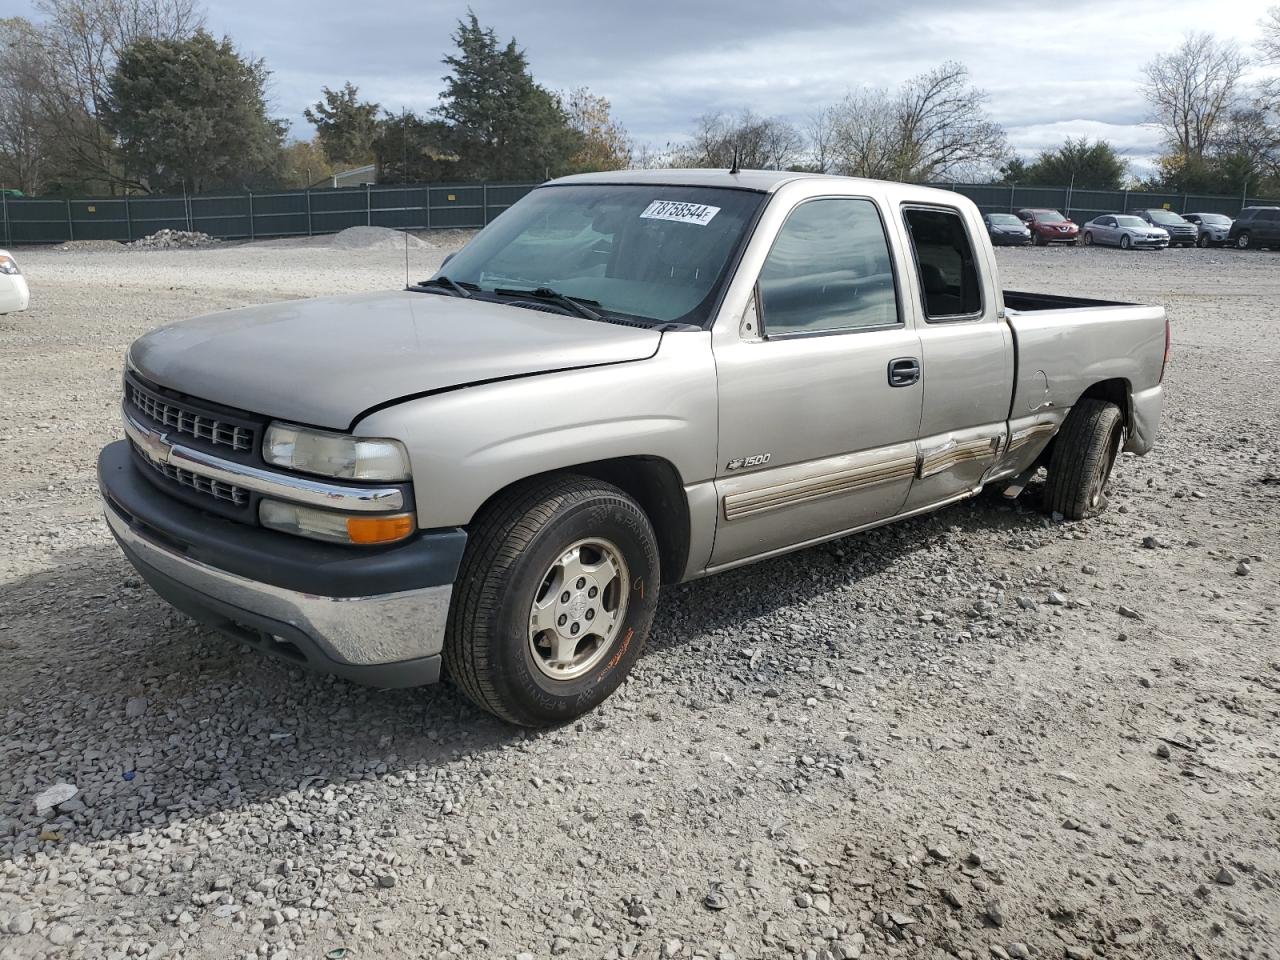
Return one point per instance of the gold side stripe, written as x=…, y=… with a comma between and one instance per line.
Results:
x=780, y=495
x=984, y=448
x=1022, y=437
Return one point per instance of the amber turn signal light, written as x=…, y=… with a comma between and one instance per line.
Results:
x=379, y=529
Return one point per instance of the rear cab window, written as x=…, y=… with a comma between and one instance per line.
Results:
x=950, y=284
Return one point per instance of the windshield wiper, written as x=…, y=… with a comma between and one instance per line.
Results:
x=577, y=304
x=453, y=286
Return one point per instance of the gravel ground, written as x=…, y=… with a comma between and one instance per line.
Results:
x=942, y=738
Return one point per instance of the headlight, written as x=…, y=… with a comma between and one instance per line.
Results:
x=334, y=454
x=334, y=527
x=9, y=266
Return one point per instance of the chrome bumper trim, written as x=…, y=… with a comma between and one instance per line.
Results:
x=361, y=631
x=316, y=493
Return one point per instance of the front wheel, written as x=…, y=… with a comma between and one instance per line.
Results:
x=1084, y=454
x=1125, y=242
x=1243, y=241
x=555, y=597
x=1202, y=241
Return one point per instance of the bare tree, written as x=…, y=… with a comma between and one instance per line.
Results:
x=866, y=140
x=934, y=126
x=24, y=134
x=943, y=124
x=1193, y=92
x=1269, y=41
x=757, y=143
x=821, y=128
x=80, y=43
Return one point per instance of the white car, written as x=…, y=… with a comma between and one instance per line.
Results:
x=14, y=295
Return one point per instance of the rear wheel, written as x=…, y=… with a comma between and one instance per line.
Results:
x=554, y=601
x=1088, y=239
x=1243, y=241
x=1125, y=242
x=1084, y=454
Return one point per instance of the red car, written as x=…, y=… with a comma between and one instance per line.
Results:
x=1048, y=226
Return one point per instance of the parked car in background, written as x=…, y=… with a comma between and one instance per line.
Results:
x=1255, y=227
x=1048, y=226
x=14, y=295
x=1125, y=231
x=1006, y=230
x=1211, y=228
x=1181, y=233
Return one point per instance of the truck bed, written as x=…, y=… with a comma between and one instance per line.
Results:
x=1025, y=302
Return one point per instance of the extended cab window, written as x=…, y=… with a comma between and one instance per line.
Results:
x=829, y=269
x=945, y=261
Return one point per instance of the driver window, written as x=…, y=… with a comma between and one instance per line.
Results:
x=829, y=270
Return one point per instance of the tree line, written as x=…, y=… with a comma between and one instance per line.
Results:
x=111, y=96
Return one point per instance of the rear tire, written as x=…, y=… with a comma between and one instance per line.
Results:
x=1084, y=453
x=507, y=645
x=1088, y=239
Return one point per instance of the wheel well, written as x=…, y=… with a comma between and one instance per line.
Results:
x=653, y=483
x=1115, y=391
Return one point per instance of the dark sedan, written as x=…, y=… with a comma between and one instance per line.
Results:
x=1181, y=233
x=1006, y=230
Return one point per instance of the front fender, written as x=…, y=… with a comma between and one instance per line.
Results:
x=467, y=444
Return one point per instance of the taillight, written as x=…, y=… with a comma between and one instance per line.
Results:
x=1168, y=338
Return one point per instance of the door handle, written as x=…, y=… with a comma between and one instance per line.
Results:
x=904, y=371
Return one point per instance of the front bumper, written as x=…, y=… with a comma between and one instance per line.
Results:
x=373, y=616
x=1010, y=239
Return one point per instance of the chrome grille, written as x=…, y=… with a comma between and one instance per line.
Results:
x=169, y=414
x=219, y=490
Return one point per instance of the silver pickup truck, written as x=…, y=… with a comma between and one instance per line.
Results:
x=626, y=380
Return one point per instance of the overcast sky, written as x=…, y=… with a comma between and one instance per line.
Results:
x=1052, y=69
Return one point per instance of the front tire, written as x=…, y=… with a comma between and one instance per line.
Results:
x=1084, y=453
x=1125, y=242
x=1202, y=242
x=555, y=597
x=1243, y=241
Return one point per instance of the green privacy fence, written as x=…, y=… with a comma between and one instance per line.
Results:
x=292, y=213
x=1082, y=205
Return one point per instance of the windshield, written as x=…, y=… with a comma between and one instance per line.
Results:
x=1165, y=217
x=651, y=252
x=1049, y=216
x=1004, y=220
x=1217, y=219
x=1130, y=222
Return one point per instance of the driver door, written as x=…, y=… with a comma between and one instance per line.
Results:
x=819, y=387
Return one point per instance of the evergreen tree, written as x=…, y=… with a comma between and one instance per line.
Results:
x=192, y=113
x=502, y=125
x=345, y=125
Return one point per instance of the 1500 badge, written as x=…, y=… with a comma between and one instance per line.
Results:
x=742, y=463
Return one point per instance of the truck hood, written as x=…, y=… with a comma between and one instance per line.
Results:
x=323, y=362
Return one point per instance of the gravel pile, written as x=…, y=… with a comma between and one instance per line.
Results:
x=173, y=240
x=376, y=238
x=975, y=734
